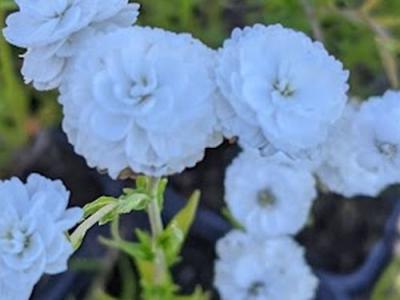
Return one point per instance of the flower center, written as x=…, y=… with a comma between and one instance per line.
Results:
x=387, y=149
x=142, y=88
x=256, y=288
x=14, y=240
x=266, y=198
x=283, y=88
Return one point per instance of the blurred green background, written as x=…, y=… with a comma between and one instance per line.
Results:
x=363, y=34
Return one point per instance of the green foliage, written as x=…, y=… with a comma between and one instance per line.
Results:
x=363, y=34
x=7, y=4
x=145, y=252
x=174, y=235
x=231, y=219
x=131, y=200
x=13, y=103
x=388, y=287
x=18, y=119
x=350, y=29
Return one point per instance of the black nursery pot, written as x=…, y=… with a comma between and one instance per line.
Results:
x=197, y=261
x=198, y=254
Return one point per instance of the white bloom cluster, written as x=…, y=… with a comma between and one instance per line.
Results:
x=150, y=101
x=259, y=269
x=282, y=92
x=143, y=99
x=54, y=31
x=269, y=196
x=33, y=219
x=362, y=155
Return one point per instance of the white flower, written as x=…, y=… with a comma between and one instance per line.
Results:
x=52, y=31
x=260, y=269
x=282, y=91
x=142, y=99
x=33, y=219
x=269, y=196
x=362, y=156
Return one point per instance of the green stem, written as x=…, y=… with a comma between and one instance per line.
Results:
x=154, y=213
x=154, y=209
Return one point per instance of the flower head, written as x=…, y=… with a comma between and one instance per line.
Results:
x=282, y=92
x=258, y=269
x=53, y=30
x=142, y=99
x=362, y=155
x=275, y=200
x=33, y=220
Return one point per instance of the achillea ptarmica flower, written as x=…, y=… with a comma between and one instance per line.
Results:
x=259, y=269
x=33, y=221
x=282, y=91
x=274, y=200
x=53, y=30
x=142, y=99
x=362, y=157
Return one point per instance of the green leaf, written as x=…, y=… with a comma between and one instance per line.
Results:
x=124, y=205
x=231, y=219
x=142, y=183
x=137, y=251
x=173, y=237
x=93, y=207
x=143, y=237
x=131, y=202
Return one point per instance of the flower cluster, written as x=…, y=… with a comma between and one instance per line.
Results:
x=271, y=198
x=131, y=102
x=282, y=92
x=275, y=200
x=259, y=269
x=54, y=31
x=33, y=221
x=145, y=100
x=362, y=155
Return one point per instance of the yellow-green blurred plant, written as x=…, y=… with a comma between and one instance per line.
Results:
x=388, y=287
x=13, y=103
x=364, y=34
x=20, y=116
